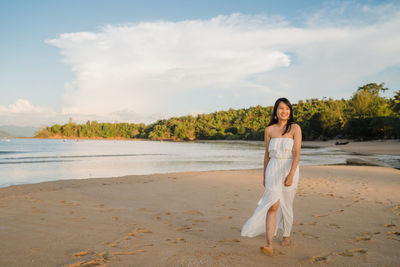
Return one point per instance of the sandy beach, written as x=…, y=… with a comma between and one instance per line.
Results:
x=344, y=216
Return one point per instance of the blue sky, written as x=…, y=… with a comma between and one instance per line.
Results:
x=48, y=77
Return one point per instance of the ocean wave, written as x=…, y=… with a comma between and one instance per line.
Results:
x=33, y=161
x=11, y=152
x=83, y=156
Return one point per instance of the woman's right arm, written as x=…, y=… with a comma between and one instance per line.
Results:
x=267, y=138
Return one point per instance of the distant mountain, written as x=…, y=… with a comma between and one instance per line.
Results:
x=4, y=134
x=17, y=131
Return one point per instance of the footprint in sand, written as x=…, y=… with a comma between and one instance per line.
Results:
x=223, y=218
x=395, y=209
x=105, y=257
x=73, y=203
x=168, y=241
x=334, y=225
x=320, y=259
x=229, y=241
x=35, y=210
x=82, y=253
x=365, y=236
x=196, y=221
x=393, y=235
x=353, y=252
x=310, y=235
x=359, y=239
x=137, y=231
x=236, y=228
x=194, y=212
x=107, y=210
x=320, y=215
x=92, y=262
x=88, y=263
x=183, y=228
x=369, y=233
x=127, y=252
x=114, y=244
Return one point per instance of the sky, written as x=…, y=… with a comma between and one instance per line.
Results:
x=141, y=61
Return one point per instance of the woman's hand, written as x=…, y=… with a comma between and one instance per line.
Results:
x=289, y=180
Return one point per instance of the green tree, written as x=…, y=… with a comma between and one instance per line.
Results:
x=395, y=102
x=367, y=102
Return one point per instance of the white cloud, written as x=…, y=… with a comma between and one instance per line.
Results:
x=148, y=70
x=22, y=112
x=21, y=106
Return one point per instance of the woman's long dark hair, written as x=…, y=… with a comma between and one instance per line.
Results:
x=274, y=118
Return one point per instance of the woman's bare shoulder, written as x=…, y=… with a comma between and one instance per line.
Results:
x=270, y=127
x=296, y=126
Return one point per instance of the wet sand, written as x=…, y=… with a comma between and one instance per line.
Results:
x=385, y=147
x=344, y=216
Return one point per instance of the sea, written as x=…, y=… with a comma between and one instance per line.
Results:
x=27, y=161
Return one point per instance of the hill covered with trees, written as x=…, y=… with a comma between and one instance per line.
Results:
x=366, y=115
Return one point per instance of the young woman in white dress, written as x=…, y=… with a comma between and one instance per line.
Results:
x=280, y=179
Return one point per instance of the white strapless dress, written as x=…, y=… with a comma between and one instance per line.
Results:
x=281, y=157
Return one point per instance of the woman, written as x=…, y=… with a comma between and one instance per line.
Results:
x=281, y=176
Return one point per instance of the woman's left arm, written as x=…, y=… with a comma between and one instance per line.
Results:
x=296, y=154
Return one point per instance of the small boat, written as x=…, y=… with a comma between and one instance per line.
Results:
x=341, y=143
x=5, y=139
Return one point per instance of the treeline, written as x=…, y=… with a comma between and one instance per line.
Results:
x=366, y=115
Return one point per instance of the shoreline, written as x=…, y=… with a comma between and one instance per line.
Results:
x=181, y=219
x=384, y=147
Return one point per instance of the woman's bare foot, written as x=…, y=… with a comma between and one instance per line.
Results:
x=285, y=241
x=267, y=250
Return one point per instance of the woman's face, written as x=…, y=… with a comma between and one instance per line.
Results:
x=283, y=111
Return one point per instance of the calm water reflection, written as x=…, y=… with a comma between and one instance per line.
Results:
x=35, y=160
